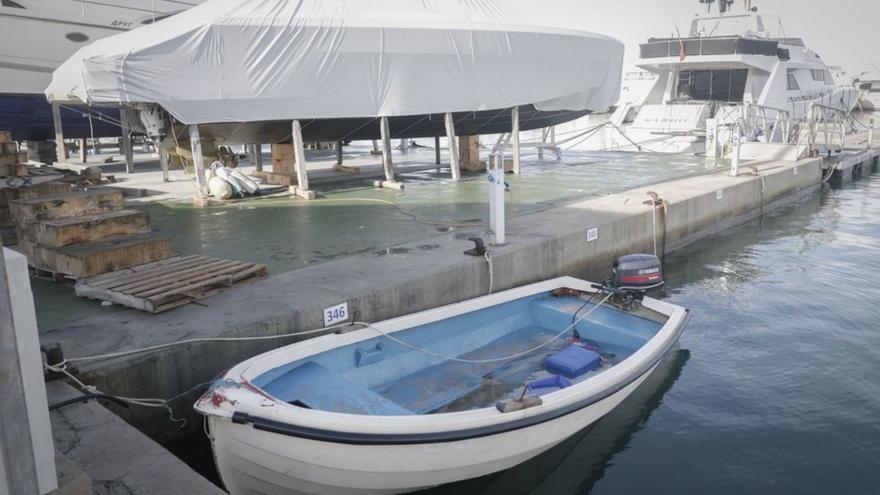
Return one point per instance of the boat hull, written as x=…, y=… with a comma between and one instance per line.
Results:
x=253, y=462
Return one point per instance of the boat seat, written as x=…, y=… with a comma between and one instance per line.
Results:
x=317, y=387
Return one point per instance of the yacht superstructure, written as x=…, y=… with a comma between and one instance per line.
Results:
x=728, y=66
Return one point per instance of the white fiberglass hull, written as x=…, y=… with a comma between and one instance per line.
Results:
x=264, y=445
x=257, y=462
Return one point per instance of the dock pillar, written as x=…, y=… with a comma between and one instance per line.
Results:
x=301, y=189
x=27, y=452
x=514, y=130
x=437, y=150
x=83, y=151
x=195, y=140
x=127, y=151
x=60, y=150
x=453, y=147
x=338, y=152
x=496, y=201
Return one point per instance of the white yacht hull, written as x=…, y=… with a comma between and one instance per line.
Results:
x=255, y=462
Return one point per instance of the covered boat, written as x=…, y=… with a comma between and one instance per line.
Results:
x=243, y=69
x=438, y=396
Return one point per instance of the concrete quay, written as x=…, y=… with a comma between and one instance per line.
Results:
x=581, y=238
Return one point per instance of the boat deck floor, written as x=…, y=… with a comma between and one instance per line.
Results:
x=447, y=385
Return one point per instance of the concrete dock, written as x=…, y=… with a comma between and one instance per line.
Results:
x=582, y=238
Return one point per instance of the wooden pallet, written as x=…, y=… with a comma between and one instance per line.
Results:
x=163, y=285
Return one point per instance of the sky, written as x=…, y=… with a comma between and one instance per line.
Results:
x=842, y=32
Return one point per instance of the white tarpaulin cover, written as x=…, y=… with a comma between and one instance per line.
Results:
x=259, y=60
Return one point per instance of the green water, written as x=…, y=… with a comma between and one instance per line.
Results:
x=774, y=388
x=353, y=218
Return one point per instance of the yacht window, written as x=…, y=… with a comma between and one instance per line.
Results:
x=818, y=75
x=712, y=85
x=792, y=81
x=10, y=3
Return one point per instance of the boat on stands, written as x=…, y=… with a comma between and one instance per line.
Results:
x=41, y=34
x=443, y=395
x=341, y=67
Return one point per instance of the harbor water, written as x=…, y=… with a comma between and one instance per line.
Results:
x=773, y=388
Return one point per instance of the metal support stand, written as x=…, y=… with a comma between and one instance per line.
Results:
x=27, y=454
x=60, y=150
x=258, y=157
x=301, y=189
x=453, y=147
x=437, y=150
x=514, y=117
x=164, y=162
x=339, y=152
x=496, y=202
x=126, y=150
x=387, y=162
x=83, y=151
x=195, y=140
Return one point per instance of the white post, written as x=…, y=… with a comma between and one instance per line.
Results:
x=27, y=453
x=496, y=201
x=299, y=164
x=711, y=140
x=60, y=150
x=453, y=147
x=258, y=157
x=737, y=143
x=195, y=140
x=126, y=150
x=514, y=117
x=871, y=135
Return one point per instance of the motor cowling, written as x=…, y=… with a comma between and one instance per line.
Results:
x=638, y=272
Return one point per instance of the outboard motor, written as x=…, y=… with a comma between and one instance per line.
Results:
x=637, y=272
x=631, y=277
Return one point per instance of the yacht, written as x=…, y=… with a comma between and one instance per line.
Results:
x=868, y=81
x=40, y=34
x=730, y=67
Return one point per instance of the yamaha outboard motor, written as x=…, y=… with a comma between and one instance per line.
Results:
x=637, y=272
x=631, y=277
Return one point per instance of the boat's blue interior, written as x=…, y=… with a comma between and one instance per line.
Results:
x=382, y=377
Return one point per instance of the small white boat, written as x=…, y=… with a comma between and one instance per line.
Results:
x=439, y=396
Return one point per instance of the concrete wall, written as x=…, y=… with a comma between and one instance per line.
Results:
x=541, y=246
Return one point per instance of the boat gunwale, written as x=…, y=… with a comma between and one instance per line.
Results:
x=246, y=401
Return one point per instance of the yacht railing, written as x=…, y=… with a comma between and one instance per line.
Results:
x=756, y=121
x=831, y=122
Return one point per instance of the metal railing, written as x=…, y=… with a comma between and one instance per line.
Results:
x=830, y=121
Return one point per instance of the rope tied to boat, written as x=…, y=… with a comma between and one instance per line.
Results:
x=492, y=360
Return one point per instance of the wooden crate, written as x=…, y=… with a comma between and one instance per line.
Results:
x=88, y=228
x=14, y=170
x=283, y=160
x=167, y=284
x=94, y=258
x=91, y=202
